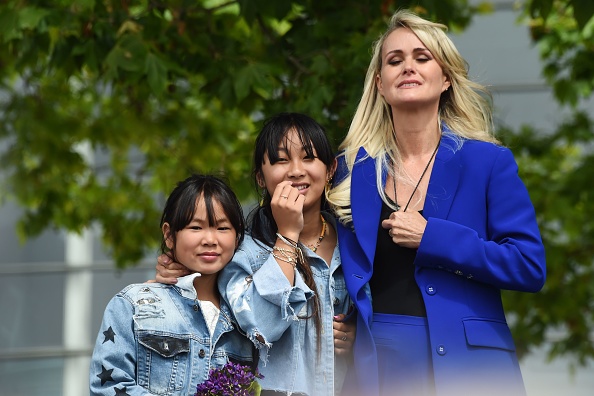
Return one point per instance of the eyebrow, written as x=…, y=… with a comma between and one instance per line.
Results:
x=217, y=220
x=416, y=50
x=285, y=150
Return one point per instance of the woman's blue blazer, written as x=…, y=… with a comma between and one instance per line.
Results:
x=481, y=237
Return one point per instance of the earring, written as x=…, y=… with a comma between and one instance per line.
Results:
x=263, y=196
x=328, y=184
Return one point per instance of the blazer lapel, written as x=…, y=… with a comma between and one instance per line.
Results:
x=444, y=180
x=365, y=204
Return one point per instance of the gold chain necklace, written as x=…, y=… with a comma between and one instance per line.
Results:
x=314, y=246
x=418, y=183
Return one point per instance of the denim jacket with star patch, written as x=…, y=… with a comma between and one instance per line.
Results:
x=268, y=308
x=154, y=341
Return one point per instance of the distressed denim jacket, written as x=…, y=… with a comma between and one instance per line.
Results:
x=154, y=341
x=265, y=304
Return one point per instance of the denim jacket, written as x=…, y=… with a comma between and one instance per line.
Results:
x=265, y=304
x=154, y=341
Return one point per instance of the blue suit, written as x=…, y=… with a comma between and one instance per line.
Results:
x=481, y=236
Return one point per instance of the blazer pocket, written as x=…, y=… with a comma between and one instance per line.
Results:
x=488, y=333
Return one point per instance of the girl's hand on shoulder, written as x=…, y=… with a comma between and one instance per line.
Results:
x=344, y=335
x=168, y=271
x=287, y=208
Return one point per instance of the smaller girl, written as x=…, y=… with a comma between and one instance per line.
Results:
x=164, y=339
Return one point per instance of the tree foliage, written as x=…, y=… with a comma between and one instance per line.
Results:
x=159, y=89
x=106, y=104
x=564, y=32
x=558, y=169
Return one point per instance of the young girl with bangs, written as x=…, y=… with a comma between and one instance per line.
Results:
x=164, y=339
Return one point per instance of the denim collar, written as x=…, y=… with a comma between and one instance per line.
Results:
x=186, y=285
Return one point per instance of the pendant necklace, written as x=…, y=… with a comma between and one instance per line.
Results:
x=418, y=183
x=314, y=246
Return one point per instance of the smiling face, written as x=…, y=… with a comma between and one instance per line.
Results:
x=293, y=163
x=201, y=246
x=409, y=75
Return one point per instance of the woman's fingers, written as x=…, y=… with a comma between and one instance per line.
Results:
x=344, y=335
x=287, y=209
x=167, y=271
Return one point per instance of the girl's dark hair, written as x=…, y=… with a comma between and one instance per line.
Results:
x=181, y=206
x=273, y=135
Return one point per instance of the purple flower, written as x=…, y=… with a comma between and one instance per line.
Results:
x=230, y=380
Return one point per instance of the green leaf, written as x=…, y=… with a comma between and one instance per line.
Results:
x=129, y=54
x=9, y=26
x=156, y=74
x=29, y=17
x=83, y=4
x=253, y=76
x=583, y=11
x=251, y=9
x=540, y=8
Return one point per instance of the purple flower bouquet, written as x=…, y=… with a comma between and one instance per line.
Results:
x=231, y=380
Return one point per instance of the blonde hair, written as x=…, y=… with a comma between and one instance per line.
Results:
x=465, y=108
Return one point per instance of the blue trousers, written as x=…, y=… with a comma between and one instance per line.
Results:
x=404, y=355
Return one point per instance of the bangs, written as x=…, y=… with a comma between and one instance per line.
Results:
x=275, y=133
x=280, y=141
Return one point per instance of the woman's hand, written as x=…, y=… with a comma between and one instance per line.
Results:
x=344, y=335
x=168, y=271
x=406, y=228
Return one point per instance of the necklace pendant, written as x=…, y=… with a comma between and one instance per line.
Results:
x=314, y=246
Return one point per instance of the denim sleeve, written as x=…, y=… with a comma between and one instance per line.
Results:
x=113, y=365
x=262, y=299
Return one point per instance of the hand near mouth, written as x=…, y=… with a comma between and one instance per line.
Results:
x=287, y=209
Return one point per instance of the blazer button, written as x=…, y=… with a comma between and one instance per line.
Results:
x=441, y=350
x=336, y=301
x=430, y=289
x=202, y=353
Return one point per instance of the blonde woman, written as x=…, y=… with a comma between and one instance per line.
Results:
x=433, y=216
